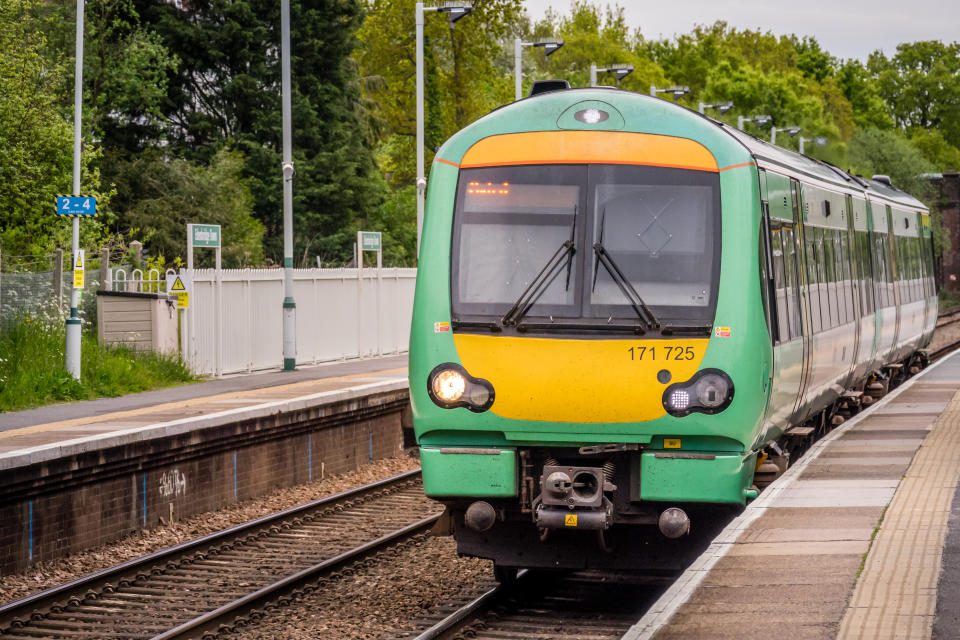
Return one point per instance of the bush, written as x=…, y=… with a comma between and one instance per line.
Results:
x=33, y=373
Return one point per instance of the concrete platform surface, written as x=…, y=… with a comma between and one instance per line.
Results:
x=47, y=433
x=233, y=383
x=858, y=540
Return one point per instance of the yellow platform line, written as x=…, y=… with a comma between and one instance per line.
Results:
x=192, y=402
x=896, y=595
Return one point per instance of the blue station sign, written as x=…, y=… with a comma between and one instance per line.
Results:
x=77, y=206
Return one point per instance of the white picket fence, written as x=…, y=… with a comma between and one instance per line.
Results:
x=341, y=314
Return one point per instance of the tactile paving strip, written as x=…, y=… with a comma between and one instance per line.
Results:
x=896, y=594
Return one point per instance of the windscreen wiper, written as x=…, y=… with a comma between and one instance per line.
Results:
x=539, y=285
x=643, y=311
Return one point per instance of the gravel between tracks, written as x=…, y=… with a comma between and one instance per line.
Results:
x=945, y=335
x=379, y=600
x=50, y=574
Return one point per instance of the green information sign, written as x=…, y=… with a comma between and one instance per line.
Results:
x=206, y=235
x=370, y=241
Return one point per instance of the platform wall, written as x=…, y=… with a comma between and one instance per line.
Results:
x=49, y=510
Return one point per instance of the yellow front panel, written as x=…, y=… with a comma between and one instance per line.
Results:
x=578, y=380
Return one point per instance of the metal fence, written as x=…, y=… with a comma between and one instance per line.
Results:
x=341, y=314
x=34, y=292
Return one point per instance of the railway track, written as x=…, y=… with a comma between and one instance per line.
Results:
x=595, y=605
x=194, y=589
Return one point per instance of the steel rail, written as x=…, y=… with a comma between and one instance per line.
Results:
x=467, y=610
x=24, y=607
x=212, y=620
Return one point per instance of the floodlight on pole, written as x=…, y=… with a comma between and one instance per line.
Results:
x=791, y=130
x=675, y=91
x=820, y=141
x=622, y=71
x=760, y=121
x=454, y=11
x=722, y=107
x=550, y=47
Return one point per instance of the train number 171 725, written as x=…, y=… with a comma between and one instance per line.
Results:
x=666, y=352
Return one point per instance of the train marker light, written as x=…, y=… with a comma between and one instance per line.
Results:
x=709, y=391
x=591, y=116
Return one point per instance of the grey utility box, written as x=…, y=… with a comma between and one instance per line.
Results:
x=143, y=321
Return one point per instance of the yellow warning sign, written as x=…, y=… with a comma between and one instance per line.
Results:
x=179, y=285
x=671, y=443
x=78, y=270
x=570, y=520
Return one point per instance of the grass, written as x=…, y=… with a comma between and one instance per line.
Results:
x=33, y=374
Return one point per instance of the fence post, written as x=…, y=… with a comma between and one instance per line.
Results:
x=106, y=275
x=137, y=248
x=58, y=278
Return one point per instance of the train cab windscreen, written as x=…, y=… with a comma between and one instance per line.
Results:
x=597, y=246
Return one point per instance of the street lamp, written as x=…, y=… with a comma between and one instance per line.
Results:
x=760, y=121
x=454, y=11
x=622, y=71
x=791, y=130
x=820, y=141
x=287, y=171
x=72, y=347
x=549, y=48
x=722, y=107
x=676, y=91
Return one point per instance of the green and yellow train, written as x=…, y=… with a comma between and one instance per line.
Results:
x=624, y=309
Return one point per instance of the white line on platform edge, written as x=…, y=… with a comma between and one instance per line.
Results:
x=661, y=611
x=44, y=452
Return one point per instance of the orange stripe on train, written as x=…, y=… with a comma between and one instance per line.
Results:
x=605, y=147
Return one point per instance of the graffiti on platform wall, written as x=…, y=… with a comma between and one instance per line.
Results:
x=173, y=483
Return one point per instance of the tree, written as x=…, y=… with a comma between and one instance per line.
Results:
x=225, y=91
x=161, y=195
x=36, y=161
x=873, y=151
x=920, y=84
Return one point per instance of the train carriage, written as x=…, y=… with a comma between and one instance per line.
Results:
x=624, y=307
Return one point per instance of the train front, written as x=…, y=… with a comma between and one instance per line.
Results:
x=589, y=357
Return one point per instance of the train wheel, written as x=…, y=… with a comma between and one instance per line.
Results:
x=505, y=575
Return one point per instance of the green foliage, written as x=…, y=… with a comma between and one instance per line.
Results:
x=467, y=75
x=397, y=219
x=161, y=195
x=226, y=89
x=36, y=140
x=601, y=39
x=920, y=85
x=32, y=371
x=873, y=151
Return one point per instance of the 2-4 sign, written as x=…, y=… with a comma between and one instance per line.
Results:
x=77, y=206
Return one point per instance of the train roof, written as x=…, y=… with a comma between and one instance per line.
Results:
x=763, y=150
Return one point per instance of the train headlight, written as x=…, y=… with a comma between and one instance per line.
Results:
x=709, y=391
x=450, y=386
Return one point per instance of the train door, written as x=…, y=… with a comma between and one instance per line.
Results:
x=851, y=286
x=783, y=300
x=804, y=299
x=895, y=270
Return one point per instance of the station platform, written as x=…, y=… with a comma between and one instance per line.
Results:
x=78, y=475
x=856, y=540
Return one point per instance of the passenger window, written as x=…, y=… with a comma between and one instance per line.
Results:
x=813, y=280
x=790, y=270
x=779, y=283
